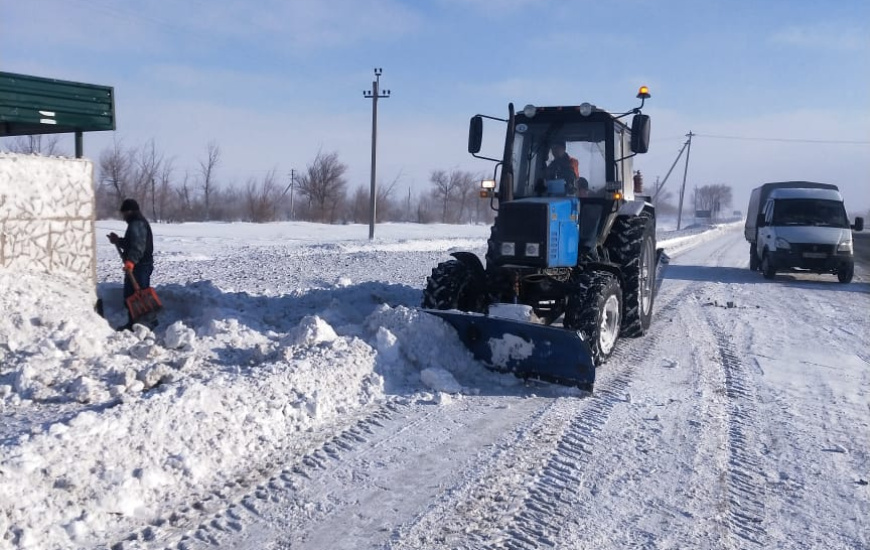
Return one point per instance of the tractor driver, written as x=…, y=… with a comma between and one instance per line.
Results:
x=565, y=167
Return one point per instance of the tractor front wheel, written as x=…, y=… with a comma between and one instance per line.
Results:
x=594, y=309
x=454, y=285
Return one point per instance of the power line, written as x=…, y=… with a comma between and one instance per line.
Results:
x=788, y=140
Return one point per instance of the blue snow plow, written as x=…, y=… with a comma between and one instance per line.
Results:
x=527, y=350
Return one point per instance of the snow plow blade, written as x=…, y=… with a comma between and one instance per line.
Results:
x=528, y=350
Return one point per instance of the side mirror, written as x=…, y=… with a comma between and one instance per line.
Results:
x=475, y=134
x=859, y=224
x=640, y=126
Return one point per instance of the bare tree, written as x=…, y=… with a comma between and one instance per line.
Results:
x=115, y=178
x=715, y=198
x=453, y=192
x=262, y=198
x=324, y=185
x=184, y=207
x=163, y=193
x=426, y=210
x=46, y=145
x=149, y=164
x=385, y=207
x=207, y=173
x=358, y=205
x=443, y=191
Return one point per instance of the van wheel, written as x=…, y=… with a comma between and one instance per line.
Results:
x=767, y=268
x=753, y=258
x=845, y=273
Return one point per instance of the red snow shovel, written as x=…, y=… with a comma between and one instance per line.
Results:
x=143, y=303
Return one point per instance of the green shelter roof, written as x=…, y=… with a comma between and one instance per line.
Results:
x=31, y=105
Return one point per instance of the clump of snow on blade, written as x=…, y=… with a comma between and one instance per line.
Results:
x=516, y=312
x=509, y=347
x=426, y=342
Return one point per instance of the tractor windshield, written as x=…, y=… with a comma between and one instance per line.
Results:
x=559, y=159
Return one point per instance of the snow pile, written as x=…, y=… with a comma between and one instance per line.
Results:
x=113, y=429
x=224, y=392
x=54, y=348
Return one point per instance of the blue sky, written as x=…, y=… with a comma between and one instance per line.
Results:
x=274, y=81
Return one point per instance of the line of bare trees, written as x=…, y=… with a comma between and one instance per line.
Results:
x=321, y=193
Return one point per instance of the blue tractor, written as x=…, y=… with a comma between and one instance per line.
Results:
x=572, y=251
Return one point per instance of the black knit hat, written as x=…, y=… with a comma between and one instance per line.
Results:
x=129, y=205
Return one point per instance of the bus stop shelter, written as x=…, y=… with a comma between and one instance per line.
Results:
x=32, y=105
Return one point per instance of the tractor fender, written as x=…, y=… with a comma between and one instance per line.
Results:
x=631, y=208
x=470, y=260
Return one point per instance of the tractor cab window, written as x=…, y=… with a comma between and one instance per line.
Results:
x=559, y=159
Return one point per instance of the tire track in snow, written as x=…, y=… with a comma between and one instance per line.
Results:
x=563, y=477
x=745, y=478
x=554, y=495
x=542, y=499
x=223, y=512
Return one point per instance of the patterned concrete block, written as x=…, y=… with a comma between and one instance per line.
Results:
x=47, y=215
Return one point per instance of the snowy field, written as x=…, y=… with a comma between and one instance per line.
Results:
x=292, y=397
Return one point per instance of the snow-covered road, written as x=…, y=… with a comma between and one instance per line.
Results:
x=742, y=420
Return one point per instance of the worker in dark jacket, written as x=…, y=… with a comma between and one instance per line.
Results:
x=137, y=248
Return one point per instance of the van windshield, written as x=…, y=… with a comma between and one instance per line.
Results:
x=809, y=212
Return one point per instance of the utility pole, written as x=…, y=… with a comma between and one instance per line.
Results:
x=290, y=188
x=374, y=94
x=292, y=185
x=685, y=173
x=671, y=169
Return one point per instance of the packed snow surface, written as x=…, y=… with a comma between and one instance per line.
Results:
x=293, y=396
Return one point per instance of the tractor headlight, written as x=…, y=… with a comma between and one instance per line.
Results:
x=845, y=247
x=783, y=244
x=586, y=109
x=508, y=249
x=533, y=249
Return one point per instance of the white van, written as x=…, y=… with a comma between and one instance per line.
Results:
x=802, y=228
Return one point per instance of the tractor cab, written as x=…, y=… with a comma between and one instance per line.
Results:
x=558, y=152
x=578, y=151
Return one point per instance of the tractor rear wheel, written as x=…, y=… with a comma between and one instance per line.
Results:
x=454, y=285
x=594, y=309
x=631, y=244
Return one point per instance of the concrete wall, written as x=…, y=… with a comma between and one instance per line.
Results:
x=47, y=215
